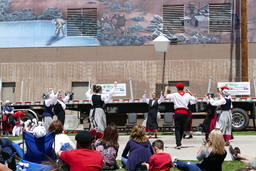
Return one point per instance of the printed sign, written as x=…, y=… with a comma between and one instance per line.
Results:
x=237, y=88
x=120, y=89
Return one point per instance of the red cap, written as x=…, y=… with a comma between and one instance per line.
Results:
x=179, y=85
x=224, y=87
x=17, y=122
x=97, y=134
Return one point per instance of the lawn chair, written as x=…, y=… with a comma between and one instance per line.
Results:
x=38, y=150
x=168, y=121
x=132, y=120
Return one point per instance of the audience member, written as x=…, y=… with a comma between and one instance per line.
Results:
x=236, y=155
x=84, y=158
x=108, y=147
x=160, y=160
x=139, y=149
x=212, y=153
x=17, y=129
x=7, y=111
x=60, y=139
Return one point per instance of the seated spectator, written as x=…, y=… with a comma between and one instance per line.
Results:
x=139, y=149
x=160, y=160
x=96, y=135
x=39, y=131
x=7, y=111
x=60, y=138
x=17, y=129
x=84, y=158
x=236, y=155
x=213, y=154
x=17, y=116
x=108, y=147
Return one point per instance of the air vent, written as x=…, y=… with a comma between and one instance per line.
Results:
x=220, y=17
x=82, y=22
x=173, y=19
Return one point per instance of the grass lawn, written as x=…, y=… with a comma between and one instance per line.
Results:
x=226, y=166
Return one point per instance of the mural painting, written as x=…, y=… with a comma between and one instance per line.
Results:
x=37, y=24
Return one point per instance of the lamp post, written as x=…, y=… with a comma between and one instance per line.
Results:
x=161, y=44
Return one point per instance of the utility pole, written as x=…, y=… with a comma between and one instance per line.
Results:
x=244, y=41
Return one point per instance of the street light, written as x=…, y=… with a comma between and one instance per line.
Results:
x=161, y=44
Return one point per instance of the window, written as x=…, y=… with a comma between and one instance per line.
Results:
x=220, y=17
x=173, y=19
x=79, y=89
x=82, y=22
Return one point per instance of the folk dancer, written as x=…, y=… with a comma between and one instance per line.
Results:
x=60, y=106
x=181, y=100
x=188, y=126
x=48, y=109
x=153, y=113
x=224, y=120
x=97, y=115
x=210, y=120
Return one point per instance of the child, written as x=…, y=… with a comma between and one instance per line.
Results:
x=160, y=160
x=18, y=129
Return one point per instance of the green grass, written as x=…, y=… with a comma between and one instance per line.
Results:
x=226, y=166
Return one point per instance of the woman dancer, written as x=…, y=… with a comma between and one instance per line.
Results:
x=211, y=117
x=224, y=120
x=153, y=113
x=97, y=115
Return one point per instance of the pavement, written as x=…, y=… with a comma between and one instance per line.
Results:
x=191, y=146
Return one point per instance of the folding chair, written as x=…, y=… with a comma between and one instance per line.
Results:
x=39, y=149
x=132, y=120
x=168, y=121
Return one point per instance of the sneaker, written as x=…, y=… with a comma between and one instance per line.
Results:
x=178, y=147
x=233, y=153
x=190, y=137
x=237, y=150
x=183, y=136
x=174, y=161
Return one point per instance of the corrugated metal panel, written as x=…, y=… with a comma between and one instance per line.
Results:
x=220, y=17
x=173, y=19
x=82, y=22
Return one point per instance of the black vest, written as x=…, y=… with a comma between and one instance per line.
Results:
x=154, y=106
x=97, y=102
x=226, y=106
x=58, y=106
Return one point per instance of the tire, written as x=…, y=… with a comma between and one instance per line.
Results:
x=240, y=119
x=28, y=116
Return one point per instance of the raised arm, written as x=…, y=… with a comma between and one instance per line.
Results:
x=219, y=102
x=55, y=97
x=144, y=97
x=107, y=97
x=67, y=97
x=165, y=91
x=161, y=99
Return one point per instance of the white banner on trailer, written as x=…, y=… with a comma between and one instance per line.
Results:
x=120, y=89
x=237, y=88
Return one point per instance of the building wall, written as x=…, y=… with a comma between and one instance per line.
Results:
x=57, y=68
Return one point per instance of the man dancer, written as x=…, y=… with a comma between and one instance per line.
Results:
x=181, y=100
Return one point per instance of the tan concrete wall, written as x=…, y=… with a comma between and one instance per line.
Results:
x=42, y=68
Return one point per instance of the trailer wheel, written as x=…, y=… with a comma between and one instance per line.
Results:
x=28, y=116
x=240, y=119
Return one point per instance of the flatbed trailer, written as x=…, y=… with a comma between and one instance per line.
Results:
x=243, y=109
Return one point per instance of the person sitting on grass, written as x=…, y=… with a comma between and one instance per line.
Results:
x=84, y=158
x=212, y=153
x=139, y=149
x=236, y=155
x=160, y=160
